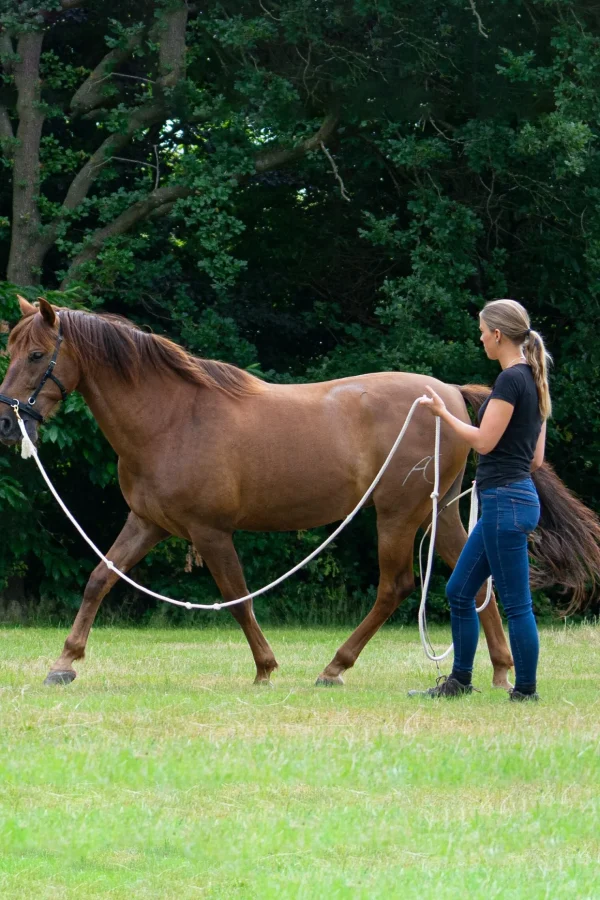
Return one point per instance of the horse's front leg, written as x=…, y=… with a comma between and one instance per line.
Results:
x=135, y=540
x=217, y=550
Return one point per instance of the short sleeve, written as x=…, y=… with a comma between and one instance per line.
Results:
x=508, y=386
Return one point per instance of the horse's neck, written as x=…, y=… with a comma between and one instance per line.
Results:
x=132, y=416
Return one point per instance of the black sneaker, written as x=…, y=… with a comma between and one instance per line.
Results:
x=445, y=686
x=518, y=697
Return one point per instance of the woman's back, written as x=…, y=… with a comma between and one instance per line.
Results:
x=511, y=458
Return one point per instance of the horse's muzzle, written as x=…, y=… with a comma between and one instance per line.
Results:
x=9, y=433
x=9, y=429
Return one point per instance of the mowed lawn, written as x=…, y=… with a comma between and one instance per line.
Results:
x=162, y=772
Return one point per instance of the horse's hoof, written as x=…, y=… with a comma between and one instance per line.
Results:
x=65, y=677
x=263, y=682
x=500, y=681
x=328, y=681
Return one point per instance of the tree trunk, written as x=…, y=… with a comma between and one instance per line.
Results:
x=13, y=601
x=26, y=256
x=26, y=259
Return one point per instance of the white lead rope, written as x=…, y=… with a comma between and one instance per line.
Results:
x=473, y=513
x=28, y=449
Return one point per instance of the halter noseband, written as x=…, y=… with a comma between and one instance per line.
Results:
x=28, y=407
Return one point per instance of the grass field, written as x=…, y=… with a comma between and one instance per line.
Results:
x=162, y=772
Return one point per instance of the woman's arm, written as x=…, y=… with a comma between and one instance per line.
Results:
x=538, y=456
x=484, y=438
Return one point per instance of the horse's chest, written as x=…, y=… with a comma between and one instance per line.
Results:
x=151, y=499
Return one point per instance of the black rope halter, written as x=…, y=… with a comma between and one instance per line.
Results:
x=28, y=408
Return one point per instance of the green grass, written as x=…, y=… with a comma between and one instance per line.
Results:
x=162, y=772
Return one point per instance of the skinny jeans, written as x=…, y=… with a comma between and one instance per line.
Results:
x=497, y=546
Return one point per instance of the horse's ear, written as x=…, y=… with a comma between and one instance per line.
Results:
x=27, y=308
x=47, y=311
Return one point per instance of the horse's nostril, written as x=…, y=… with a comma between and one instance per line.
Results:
x=5, y=426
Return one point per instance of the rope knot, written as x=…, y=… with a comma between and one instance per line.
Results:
x=110, y=565
x=188, y=605
x=217, y=606
x=434, y=495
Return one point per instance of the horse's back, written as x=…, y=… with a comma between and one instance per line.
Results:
x=315, y=448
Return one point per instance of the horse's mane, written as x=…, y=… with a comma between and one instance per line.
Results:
x=107, y=340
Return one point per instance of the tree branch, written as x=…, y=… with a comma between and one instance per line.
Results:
x=335, y=171
x=172, y=60
x=143, y=117
x=79, y=188
x=90, y=94
x=170, y=31
x=162, y=210
x=272, y=159
x=480, y=27
x=162, y=198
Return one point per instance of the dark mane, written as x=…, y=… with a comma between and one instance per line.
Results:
x=108, y=340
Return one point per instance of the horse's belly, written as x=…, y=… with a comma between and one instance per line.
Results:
x=295, y=517
x=313, y=488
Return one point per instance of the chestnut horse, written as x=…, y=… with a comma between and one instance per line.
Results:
x=205, y=449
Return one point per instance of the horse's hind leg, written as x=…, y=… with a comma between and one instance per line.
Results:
x=396, y=581
x=217, y=550
x=132, y=544
x=450, y=539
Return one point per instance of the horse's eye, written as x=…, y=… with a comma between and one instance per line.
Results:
x=35, y=355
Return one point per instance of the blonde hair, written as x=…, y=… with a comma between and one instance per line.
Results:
x=512, y=320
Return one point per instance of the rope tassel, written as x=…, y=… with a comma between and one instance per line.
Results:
x=27, y=446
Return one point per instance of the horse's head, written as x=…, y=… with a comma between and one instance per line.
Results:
x=38, y=376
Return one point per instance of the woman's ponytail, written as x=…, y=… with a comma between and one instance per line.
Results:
x=539, y=359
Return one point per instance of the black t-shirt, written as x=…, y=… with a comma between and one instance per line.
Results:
x=511, y=458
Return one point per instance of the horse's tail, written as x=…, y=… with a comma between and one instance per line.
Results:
x=566, y=544
x=474, y=394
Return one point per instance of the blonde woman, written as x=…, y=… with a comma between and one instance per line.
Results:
x=510, y=439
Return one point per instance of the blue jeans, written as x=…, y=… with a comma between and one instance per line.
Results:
x=498, y=546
